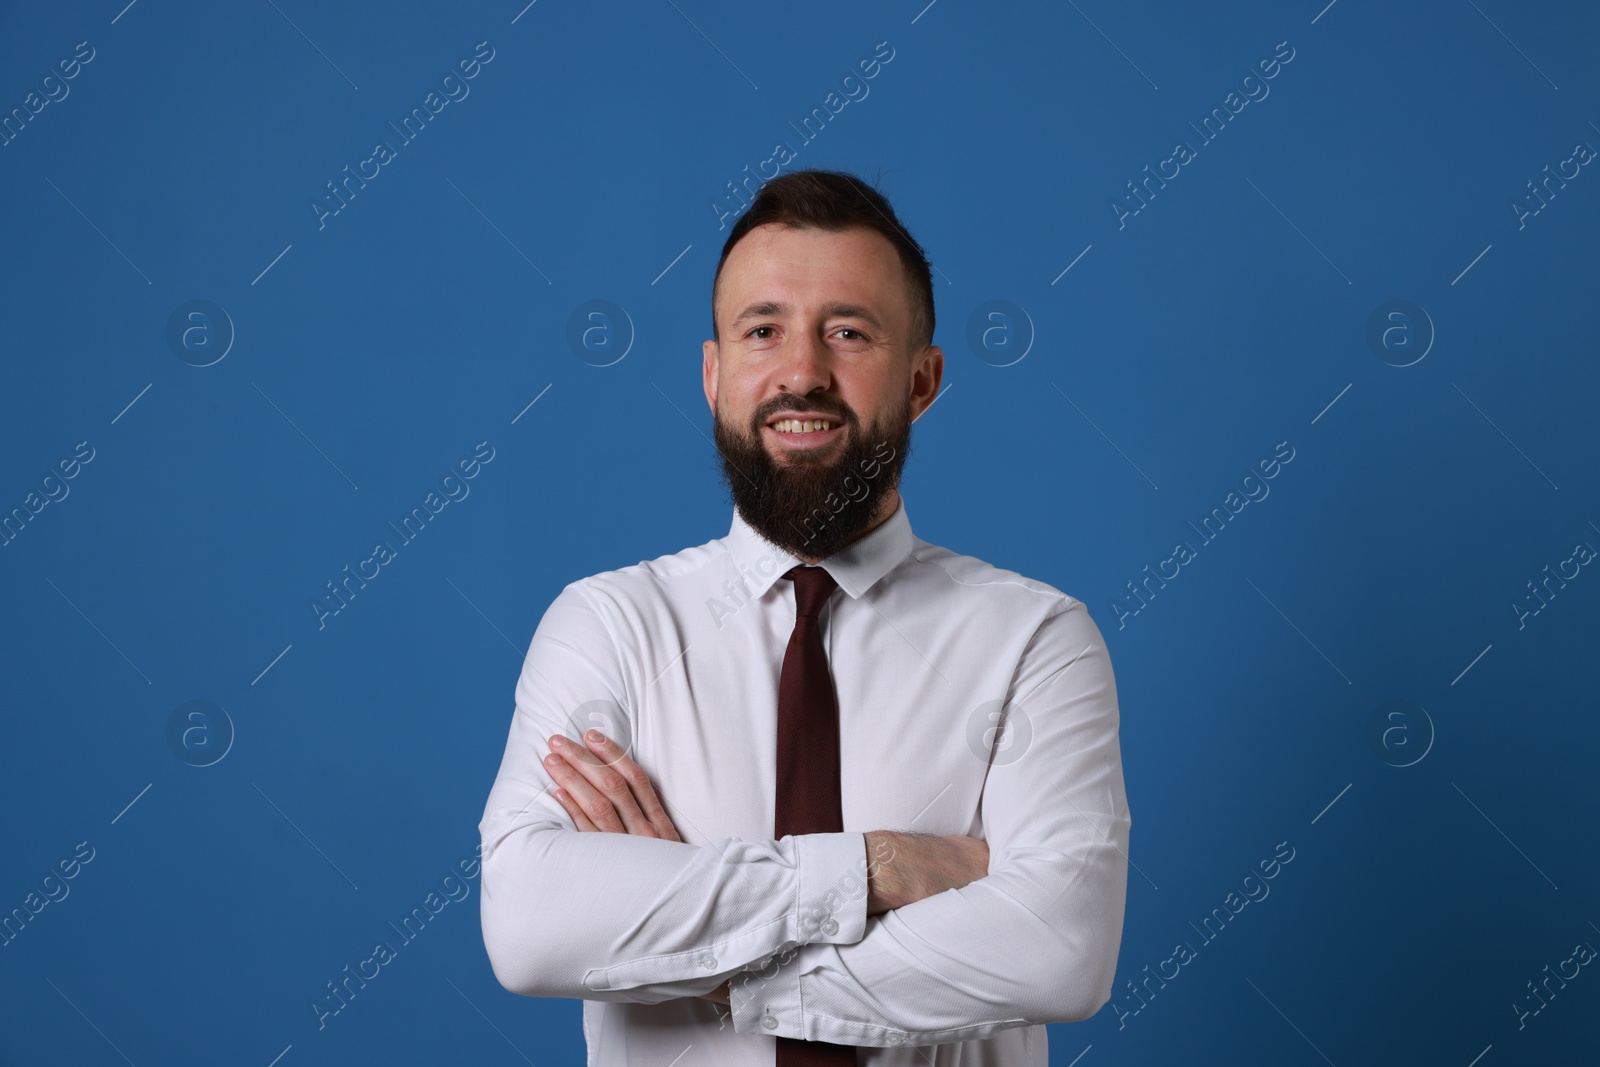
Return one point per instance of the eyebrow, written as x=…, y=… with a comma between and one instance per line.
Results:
x=835, y=310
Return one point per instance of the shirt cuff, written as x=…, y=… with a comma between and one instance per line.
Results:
x=771, y=1002
x=830, y=906
x=774, y=1002
x=764, y=997
x=831, y=902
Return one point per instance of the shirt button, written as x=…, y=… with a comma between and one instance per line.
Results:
x=897, y=1039
x=830, y=927
x=709, y=962
x=769, y=1021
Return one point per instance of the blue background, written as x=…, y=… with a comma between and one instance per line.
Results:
x=1442, y=859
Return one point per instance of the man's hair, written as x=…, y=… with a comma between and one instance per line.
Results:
x=833, y=200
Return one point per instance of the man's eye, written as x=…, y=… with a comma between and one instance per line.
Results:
x=851, y=329
x=758, y=329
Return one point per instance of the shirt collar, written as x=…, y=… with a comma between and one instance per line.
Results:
x=856, y=567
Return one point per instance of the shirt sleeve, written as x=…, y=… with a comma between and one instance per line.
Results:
x=610, y=916
x=1034, y=941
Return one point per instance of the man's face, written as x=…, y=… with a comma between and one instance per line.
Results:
x=815, y=324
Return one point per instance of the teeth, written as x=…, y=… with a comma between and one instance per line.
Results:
x=801, y=425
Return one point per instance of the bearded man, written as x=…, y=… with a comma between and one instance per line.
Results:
x=849, y=798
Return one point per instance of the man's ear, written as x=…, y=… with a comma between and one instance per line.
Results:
x=708, y=372
x=926, y=375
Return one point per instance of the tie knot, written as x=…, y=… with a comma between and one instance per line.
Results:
x=812, y=587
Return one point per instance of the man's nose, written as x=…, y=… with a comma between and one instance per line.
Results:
x=807, y=364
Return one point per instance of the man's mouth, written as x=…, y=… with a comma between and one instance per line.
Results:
x=804, y=433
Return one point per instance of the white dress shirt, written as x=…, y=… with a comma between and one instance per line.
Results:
x=678, y=660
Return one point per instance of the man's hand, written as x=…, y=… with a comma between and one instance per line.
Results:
x=907, y=867
x=604, y=790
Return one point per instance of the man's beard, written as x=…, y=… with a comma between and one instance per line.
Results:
x=813, y=506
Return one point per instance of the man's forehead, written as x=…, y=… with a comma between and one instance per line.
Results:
x=783, y=268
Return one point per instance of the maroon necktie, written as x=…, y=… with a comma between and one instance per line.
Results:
x=808, y=761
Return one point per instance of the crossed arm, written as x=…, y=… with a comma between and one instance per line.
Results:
x=605, y=791
x=942, y=939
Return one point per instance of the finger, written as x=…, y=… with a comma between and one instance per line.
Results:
x=644, y=794
x=617, y=780
x=579, y=818
x=603, y=791
x=598, y=808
